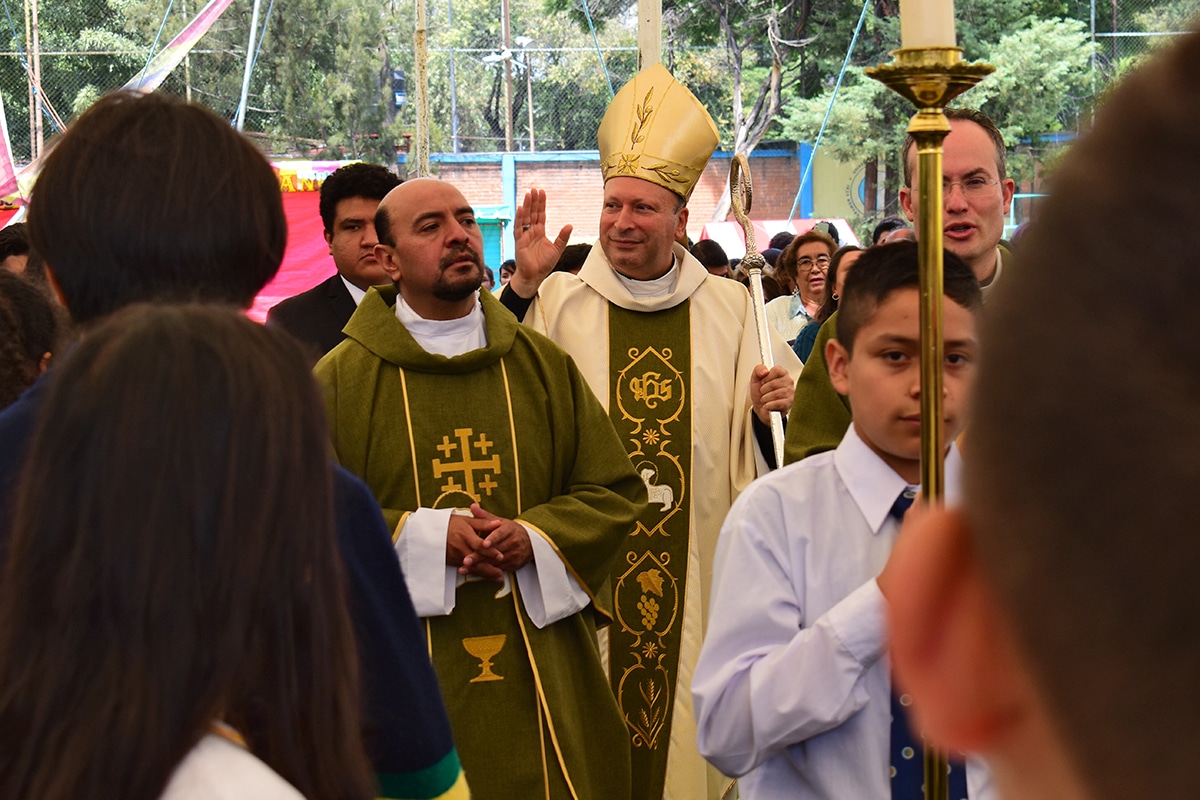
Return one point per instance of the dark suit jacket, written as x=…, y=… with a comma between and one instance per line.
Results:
x=316, y=317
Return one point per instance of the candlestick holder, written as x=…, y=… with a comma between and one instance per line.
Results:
x=929, y=78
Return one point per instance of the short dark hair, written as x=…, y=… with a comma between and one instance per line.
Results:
x=14, y=241
x=710, y=253
x=29, y=331
x=193, y=576
x=1082, y=478
x=880, y=271
x=964, y=115
x=146, y=197
x=886, y=225
x=572, y=258
x=781, y=240
x=354, y=180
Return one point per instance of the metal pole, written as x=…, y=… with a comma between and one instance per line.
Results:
x=241, y=111
x=930, y=77
x=649, y=33
x=505, y=12
x=35, y=57
x=529, y=100
x=421, y=135
x=453, y=82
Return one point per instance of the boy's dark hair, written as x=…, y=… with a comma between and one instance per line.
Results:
x=887, y=225
x=882, y=270
x=193, y=575
x=965, y=115
x=1081, y=485
x=354, y=180
x=146, y=197
x=14, y=241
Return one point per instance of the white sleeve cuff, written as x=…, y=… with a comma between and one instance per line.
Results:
x=860, y=622
x=421, y=548
x=549, y=592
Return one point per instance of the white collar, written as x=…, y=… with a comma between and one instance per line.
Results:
x=447, y=337
x=655, y=287
x=874, y=486
x=356, y=293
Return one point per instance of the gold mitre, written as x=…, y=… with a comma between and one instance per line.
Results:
x=656, y=130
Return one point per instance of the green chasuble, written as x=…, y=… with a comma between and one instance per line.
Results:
x=514, y=427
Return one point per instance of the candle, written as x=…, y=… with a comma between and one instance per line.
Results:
x=927, y=23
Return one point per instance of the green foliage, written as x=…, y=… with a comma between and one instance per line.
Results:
x=1040, y=81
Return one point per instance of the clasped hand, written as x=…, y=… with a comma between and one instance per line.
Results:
x=486, y=545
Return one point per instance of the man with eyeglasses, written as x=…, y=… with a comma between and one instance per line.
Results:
x=976, y=195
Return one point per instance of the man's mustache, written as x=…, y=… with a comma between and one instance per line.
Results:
x=457, y=254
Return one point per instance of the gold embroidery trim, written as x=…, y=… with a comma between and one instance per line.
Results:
x=537, y=681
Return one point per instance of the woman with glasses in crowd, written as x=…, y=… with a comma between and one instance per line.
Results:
x=801, y=269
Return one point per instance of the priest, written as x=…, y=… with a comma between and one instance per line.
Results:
x=673, y=353
x=509, y=494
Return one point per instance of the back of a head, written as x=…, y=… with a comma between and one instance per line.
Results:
x=14, y=240
x=28, y=331
x=781, y=240
x=572, y=258
x=192, y=576
x=353, y=180
x=1083, y=460
x=886, y=225
x=148, y=198
x=710, y=253
x=880, y=271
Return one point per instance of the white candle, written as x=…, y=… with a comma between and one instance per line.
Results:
x=927, y=23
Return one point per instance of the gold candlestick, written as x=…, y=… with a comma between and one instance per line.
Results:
x=930, y=78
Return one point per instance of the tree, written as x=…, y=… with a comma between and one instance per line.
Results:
x=1040, y=82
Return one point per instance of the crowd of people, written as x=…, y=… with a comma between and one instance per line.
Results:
x=420, y=537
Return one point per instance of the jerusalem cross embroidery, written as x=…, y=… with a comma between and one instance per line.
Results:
x=461, y=464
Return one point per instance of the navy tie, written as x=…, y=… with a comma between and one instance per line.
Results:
x=907, y=755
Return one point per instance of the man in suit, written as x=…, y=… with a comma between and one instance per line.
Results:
x=349, y=198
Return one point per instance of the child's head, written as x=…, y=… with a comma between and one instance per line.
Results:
x=875, y=359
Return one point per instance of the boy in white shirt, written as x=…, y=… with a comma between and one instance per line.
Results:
x=792, y=690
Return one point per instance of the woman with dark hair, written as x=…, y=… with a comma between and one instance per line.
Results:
x=28, y=335
x=172, y=616
x=801, y=270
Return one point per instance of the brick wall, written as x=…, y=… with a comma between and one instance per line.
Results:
x=575, y=188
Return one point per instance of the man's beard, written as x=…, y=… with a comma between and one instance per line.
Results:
x=459, y=288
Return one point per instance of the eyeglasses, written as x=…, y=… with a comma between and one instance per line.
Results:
x=971, y=187
x=806, y=264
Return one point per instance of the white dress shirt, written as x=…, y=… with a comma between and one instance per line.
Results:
x=549, y=592
x=793, y=684
x=218, y=769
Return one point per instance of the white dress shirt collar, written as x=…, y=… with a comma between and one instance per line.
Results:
x=874, y=486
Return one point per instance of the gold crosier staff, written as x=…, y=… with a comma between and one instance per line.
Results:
x=930, y=76
x=741, y=197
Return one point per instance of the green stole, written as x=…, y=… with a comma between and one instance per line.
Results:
x=481, y=652
x=650, y=406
